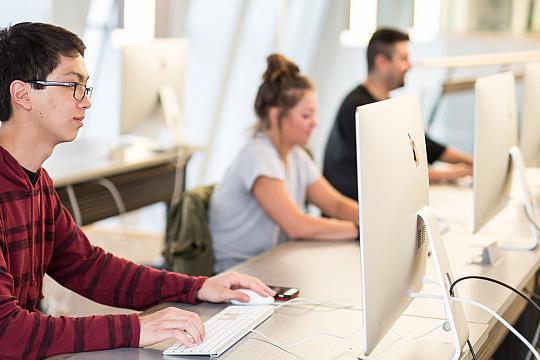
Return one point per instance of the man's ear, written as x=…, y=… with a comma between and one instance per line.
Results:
x=20, y=94
x=380, y=62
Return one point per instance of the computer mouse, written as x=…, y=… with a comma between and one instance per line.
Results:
x=255, y=299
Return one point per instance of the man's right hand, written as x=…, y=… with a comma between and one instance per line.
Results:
x=459, y=170
x=171, y=323
x=449, y=172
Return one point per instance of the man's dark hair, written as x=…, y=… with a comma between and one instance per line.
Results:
x=382, y=42
x=31, y=51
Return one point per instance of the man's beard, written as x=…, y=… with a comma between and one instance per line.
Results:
x=399, y=82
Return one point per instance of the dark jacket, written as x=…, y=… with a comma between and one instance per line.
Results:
x=188, y=248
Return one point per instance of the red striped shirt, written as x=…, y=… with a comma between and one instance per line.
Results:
x=38, y=236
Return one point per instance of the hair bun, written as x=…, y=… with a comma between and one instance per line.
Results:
x=283, y=86
x=279, y=67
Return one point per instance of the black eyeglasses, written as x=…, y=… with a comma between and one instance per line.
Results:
x=79, y=90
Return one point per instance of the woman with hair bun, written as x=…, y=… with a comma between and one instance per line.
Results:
x=261, y=200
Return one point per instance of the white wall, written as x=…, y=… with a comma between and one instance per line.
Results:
x=229, y=41
x=30, y=10
x=229, y=46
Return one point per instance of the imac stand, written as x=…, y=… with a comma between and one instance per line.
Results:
x=526, y=199
x=172, y=111
x=427, y=225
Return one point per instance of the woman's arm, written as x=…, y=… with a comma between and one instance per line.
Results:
x=323, y=195
x=273, y=197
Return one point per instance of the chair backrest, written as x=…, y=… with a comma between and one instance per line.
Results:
x=188, y=242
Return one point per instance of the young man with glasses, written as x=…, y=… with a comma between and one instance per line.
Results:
x=43, y=100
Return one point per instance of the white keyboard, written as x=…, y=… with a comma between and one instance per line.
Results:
x=224, y=329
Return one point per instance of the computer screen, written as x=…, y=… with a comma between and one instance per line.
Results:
x=394, y=231
x=529, y=137
x=498, y=160
x=494, y=135
x=153, y=75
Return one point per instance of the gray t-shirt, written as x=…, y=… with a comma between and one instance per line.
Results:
x=239, y=226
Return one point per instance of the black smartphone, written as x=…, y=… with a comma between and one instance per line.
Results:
x=284, y=293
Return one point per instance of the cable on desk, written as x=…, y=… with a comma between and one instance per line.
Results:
x=520, y=293
x=415, y=295
x=473, y=354
x=307, y=338
x=328, y=302
x=416, y=337
x=304, y=301
x=109, y=185
x=74, y=205
x=504, y=322
x=270, y=341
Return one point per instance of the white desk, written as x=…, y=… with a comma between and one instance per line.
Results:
x=331, y=270
x=84, y=160
x=141, y=175
x=288, y=325
x=322, y=270
x=337, y=266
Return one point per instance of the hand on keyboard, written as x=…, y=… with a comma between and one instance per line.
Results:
x=221, y=288
x=185, y=327
x=224, y=329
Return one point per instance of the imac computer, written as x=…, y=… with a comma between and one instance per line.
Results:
x=396, y=224
x=497, y=157
x=529, y=137
x=153, y=75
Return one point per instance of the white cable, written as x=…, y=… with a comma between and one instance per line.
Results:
x=304, y=301
x=307, y=338
x=416, y=337
x=504, y=322
x=333, y=302
x=415, y=295
x=295, y=301
x=109, y=185
x=74, y=205
x=265, y=340
x=485, y=308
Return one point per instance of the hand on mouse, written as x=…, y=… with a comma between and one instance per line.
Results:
x=223, y=287
x=254, y=299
